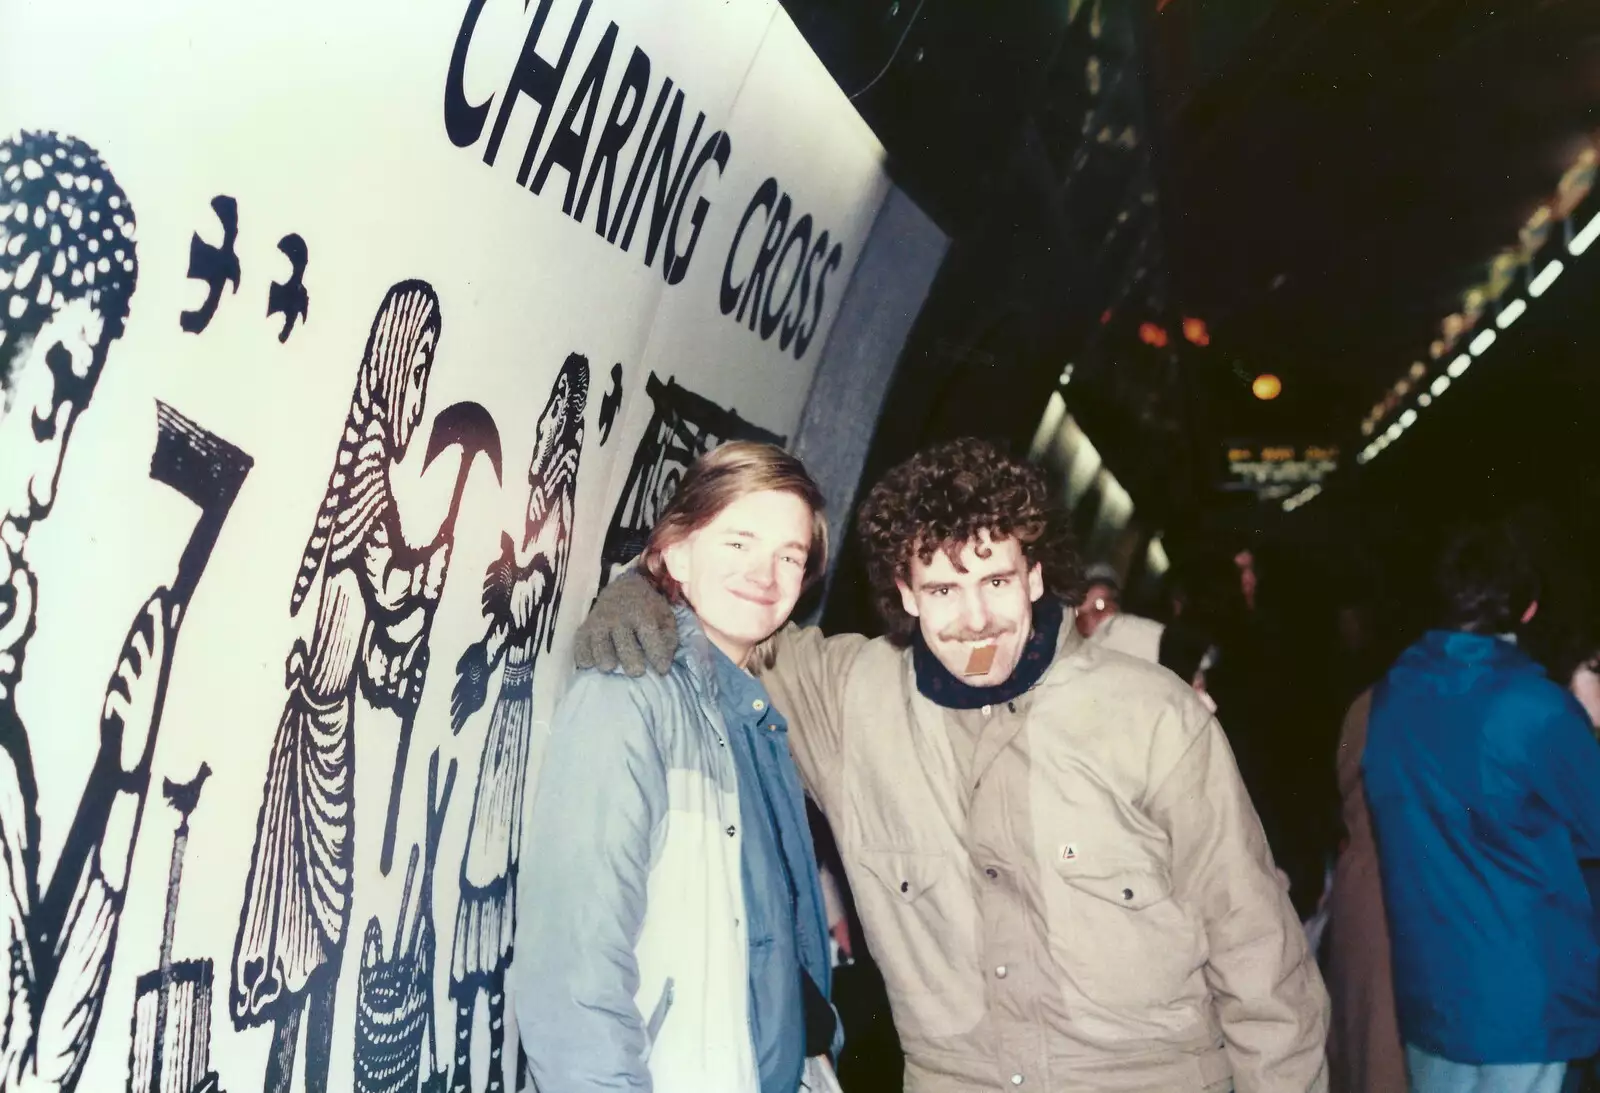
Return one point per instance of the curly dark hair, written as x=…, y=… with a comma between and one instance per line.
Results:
x=940, y=499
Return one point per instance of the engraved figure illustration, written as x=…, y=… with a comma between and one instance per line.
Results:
x=67, y=274
x=375, y=596
x=521, y=599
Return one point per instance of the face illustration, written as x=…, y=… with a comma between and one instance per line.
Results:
x=557, y=445
x=42, y=398
x=418, y=367
x=743, y=572
x=984, y=602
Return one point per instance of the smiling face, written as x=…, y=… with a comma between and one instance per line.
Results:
x=984, y=602
x=743, y=571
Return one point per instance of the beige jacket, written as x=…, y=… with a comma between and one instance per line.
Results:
x=1090, y=907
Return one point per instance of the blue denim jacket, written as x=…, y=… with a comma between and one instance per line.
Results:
x=780, y=874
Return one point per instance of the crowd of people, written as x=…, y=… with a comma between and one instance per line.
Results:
x=1084, y=849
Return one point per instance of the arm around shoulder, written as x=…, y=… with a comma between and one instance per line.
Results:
x=806, y=675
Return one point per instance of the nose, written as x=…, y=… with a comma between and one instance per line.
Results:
x=762, y=571
x=47, y=464
x=974, y=612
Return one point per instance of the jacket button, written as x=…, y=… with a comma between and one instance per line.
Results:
x=758, y=705
x=731, y=830
x=1001, y=972
x=905, y=886
x=1127, y=893
x=991, y=872
x=1016, y=1079
x=1012, y=706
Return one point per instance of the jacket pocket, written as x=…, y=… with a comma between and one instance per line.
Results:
x=1121, y=937
x=924, y=939
x=907, y=875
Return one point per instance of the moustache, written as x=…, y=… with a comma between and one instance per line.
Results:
x=987, y=634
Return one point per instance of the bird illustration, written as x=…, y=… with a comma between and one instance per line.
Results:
x=184, y=796
x=610, y=403
x=289, y=298
x=215, y=266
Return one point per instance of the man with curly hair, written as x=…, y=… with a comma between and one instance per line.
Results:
x=1055, y=862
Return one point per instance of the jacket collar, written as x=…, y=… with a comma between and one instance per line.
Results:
x=1453, y=651
x=694, y=652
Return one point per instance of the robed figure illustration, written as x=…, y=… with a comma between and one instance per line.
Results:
x=521, y=599
x=375, y=596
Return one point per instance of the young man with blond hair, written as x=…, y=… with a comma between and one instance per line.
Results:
x=674, y=937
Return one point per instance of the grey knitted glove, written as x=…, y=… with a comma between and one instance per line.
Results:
x=631, y=626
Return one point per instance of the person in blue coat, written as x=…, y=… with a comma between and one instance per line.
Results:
x=675, y=939
x=1483, y=781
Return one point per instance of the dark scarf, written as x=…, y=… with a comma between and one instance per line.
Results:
x=936, y=683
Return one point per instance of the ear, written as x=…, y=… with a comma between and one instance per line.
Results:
x=676, y=557
x=1035, y=582
x=1533, y=609
x=907, y=600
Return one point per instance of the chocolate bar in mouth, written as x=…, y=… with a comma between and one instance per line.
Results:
x=981, y=660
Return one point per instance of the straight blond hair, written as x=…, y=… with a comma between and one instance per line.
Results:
x=715, y=481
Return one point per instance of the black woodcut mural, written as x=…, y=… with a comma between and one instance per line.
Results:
x=172, y=1009
x=189, y=836
x=521, y=599
x=375, y=595
x=67, y=275
x=683, y=426
x=395, y=1011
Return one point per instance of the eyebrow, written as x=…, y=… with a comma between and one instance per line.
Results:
x=935, y=585
x=792, y=544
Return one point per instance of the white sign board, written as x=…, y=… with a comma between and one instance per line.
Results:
x=344, y=344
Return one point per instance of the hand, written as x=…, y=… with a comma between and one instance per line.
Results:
x=841, y=937
x=472, y=685
x=433, y=573
x=631, y=626
x=127, y=721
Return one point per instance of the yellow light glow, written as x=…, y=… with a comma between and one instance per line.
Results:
x=1266, y=387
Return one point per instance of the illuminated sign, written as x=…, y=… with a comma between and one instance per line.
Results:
x=1273, y=470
